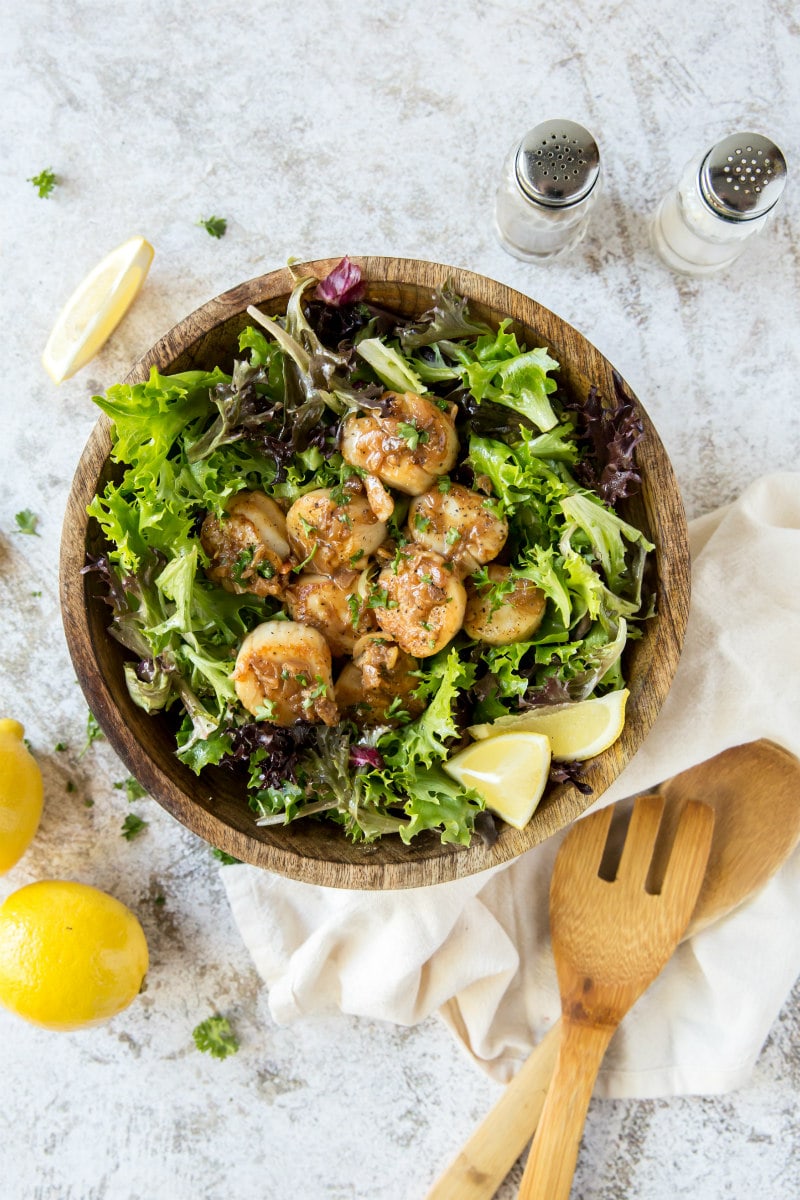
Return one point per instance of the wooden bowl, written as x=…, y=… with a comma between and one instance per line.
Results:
x=213, y=805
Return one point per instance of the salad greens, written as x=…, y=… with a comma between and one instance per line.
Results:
x=554, y=467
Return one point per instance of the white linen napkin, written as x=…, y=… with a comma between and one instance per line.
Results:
x=477, y=950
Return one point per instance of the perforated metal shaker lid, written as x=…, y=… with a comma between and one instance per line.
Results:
x=557, y=163
x=742, y=177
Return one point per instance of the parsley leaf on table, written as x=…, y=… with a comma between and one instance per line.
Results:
x=214, y=1036
x=44, y=182
x=132, y=826
x=227, y=860
x=26, y=522
x=214, y=226
x=133, y=789
x=93, y=732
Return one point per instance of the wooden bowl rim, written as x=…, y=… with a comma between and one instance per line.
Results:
x=385, y=864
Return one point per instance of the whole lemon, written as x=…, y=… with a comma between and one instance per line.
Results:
x=20, y=794
x=70, y=955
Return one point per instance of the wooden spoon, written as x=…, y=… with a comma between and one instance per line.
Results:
x=610, y=939
x=755, y=792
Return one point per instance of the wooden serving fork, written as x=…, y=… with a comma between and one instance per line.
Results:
x=610, y=939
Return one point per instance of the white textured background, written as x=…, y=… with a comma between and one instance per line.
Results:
x=318, y=129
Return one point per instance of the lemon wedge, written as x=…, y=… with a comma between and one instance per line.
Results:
x=508, y=772
x=94, y=310
x=576, y=731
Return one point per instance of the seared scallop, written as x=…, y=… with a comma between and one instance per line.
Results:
x=334, y=531
x=458, y=524
x=248, y=548
x=333, y=607
x=283, y=674
x=407, y=447
x=377, y=687
x=508, y=610
x=418, y=601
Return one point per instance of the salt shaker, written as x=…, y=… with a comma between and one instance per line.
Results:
x=723, y=198
x=549, y=185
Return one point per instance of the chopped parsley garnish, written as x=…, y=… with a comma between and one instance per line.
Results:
x=214, y=226
x=452, y=536
x=60, y=747
x=227, y=860
x=397, y=712
x=339, y=494
x=306, y=526
x=496, y=590
x=26, y=522
x=133, y=789
x=70, y=786
x=320, y=690
x=265, y=711
x=380, y=599
x=214, y=1036
x=444, y=483
x=307, y=559
x=44, y=183
x=354, y=558
x=265, y=569
x=36, y=594
x=399, y=555
x=242, y=563
x=345, y=519
x=421, y=522
x=132, y=826
x=414, y=436
x=354, y=604
x=93, y=732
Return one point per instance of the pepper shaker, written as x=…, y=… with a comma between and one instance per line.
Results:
x=549, y=185
x=723, y=198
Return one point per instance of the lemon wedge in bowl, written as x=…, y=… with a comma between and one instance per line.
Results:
x=509, y=773
x=95, y=308
x=576, y=731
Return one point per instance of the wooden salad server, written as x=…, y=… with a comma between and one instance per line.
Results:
x=610, y=939
x=754, y=790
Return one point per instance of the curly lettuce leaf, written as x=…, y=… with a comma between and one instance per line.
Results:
x=438, y=802
x=607, y=534
x=510, y=375
x=390, y=366
x=447, y=318
x=425, y=741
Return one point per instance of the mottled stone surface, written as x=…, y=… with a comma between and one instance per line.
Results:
x=320, y=129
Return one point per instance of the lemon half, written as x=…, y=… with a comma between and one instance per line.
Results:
x=94, y=310
x=508, y=772
x=576, y=731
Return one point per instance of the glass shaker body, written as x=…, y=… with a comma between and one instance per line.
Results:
x=548, y=187
x=694, y=239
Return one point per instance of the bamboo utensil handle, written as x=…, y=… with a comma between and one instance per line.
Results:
x=497, y=1143
x=554, y=1154
x=755, y=792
